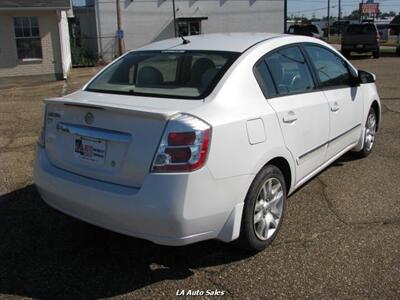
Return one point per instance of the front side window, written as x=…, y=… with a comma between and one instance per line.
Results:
x=331, y=69
x=289, y=71
x=27, y=37
x=177, y=74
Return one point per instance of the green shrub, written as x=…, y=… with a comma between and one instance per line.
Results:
x=83, y=57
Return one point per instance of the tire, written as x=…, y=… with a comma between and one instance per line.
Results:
x=270, y=213
x=370, y=129
x=398, y=50
x=376, y=53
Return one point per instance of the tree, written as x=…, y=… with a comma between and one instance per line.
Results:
x=395, y=24
x=354, y=15
x=387, y=15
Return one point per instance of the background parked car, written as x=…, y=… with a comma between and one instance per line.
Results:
x=307, y=30
x=361, y=38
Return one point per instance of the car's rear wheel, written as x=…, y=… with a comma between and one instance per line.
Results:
x=264, y=209
x=376, y=53
x=370, y=129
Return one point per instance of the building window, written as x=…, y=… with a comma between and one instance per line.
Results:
x=189, y=27
x=27, y=37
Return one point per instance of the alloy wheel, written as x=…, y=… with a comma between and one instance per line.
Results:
x=268, y=208
x=370, y=131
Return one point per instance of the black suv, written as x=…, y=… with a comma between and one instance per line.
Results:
x=361, y=38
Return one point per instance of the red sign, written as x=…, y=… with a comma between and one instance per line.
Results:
x=369, y=8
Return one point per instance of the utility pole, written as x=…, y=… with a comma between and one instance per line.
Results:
x=329, y=21
x=339, y=18
x=360, y=10
x=119, y=30
x=285, y=16
x=174, y=15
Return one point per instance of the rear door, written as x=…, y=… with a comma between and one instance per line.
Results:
x=303, y=112
x=345, y=102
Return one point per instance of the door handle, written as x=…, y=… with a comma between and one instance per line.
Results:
x=335, y=106
x=290, y=117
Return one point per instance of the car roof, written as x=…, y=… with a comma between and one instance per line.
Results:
x=234, y=42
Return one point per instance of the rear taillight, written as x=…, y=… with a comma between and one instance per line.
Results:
x=184, y=145
x=41, y=138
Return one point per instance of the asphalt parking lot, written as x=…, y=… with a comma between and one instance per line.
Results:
x=340, y=238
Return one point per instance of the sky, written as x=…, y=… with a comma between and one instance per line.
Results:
x=319, y=7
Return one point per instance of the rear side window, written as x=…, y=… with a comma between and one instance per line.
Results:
x=265, y=80
x=289, y=71
x=331, y=69
x=176, y=74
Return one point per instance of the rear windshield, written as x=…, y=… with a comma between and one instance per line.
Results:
x=176, y=74
x=361, y=29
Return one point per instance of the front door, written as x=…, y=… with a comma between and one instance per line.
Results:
x=345, y=102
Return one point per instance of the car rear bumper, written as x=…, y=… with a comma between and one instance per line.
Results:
x=169, y=209
x=360, y=47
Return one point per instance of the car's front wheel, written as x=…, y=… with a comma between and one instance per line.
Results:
x=371, y=126
x=376, y=53
x=264, y=208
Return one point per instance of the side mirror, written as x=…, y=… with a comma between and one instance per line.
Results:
x=366, y=77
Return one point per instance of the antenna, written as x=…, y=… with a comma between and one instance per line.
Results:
x=184, y=41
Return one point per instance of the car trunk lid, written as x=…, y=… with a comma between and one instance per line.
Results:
x=108, y=137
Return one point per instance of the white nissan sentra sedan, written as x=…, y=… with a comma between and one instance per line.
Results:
x=187, y=140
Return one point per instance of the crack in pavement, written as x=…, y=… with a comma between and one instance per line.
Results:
x=337, y=215
x=329, y=203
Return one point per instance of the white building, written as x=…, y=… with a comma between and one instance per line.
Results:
x=145, y=21
x=34, y=40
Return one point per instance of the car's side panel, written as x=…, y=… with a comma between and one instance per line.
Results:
x=237, y=99
x=241, y=100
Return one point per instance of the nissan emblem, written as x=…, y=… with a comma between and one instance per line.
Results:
x=89, y=118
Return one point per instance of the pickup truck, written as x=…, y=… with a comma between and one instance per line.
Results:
x=361, y=38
